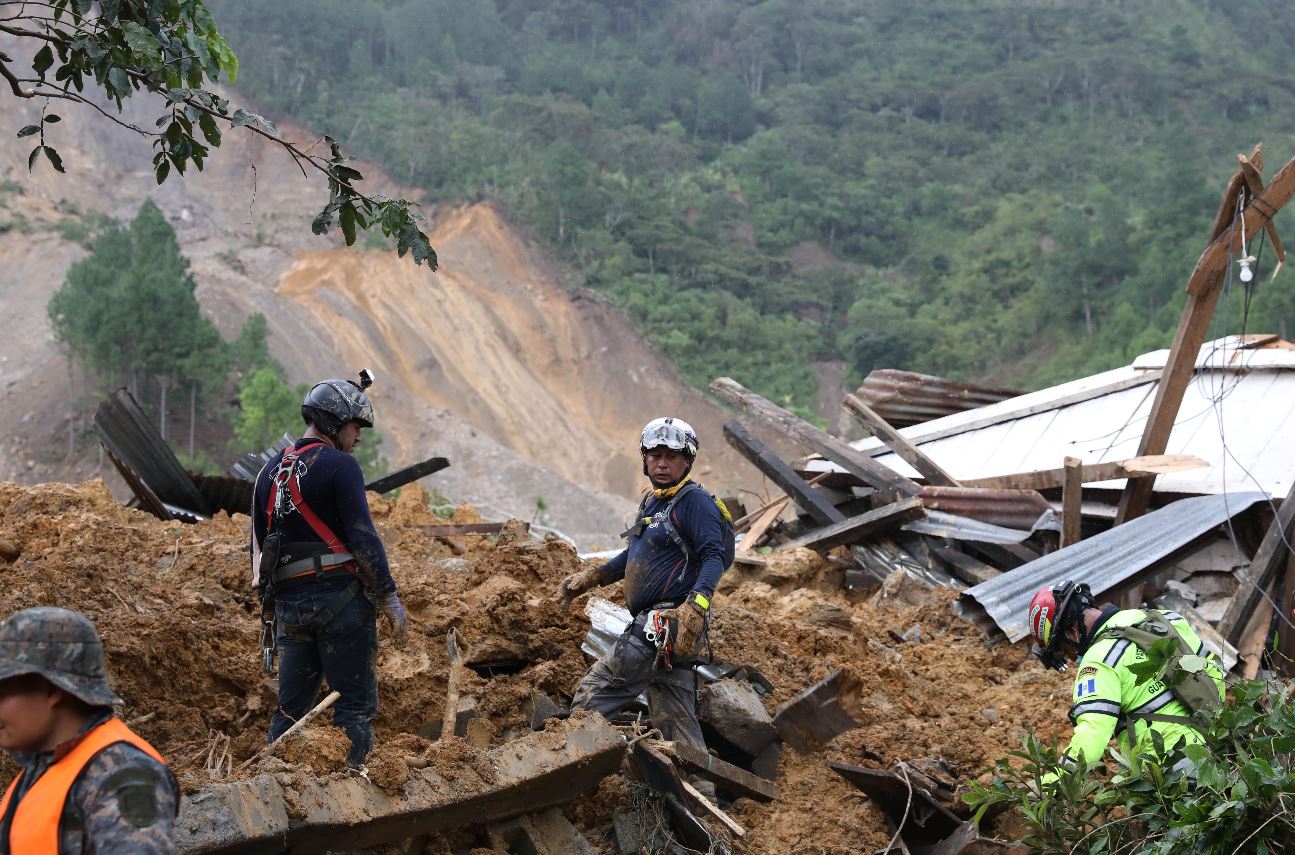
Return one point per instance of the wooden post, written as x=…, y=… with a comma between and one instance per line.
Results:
x=838, y=451
x=897, y=443
x=451, y=714
x=1090, y=473
x=1203, y=290
x=1273, y=554
x=823, y=511
x=1285, y=632
x=858, y=528
x=1072, y=492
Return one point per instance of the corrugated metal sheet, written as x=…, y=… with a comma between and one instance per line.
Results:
x=906, y=398
x=938, y=524
x=130, y=437
x=249, y=465
x=225, y=493
x=1244, y=398
x=1020, y=509
x=1104, y=561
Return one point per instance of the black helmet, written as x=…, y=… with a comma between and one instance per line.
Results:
x=332, y=404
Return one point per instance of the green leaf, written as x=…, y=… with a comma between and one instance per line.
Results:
x=42, y=61
x=52, y=119
x=163, y=170
x=209, y=129
x=28, y=130
x=31, y=158
x=347, y=215
x=54, y=160
x=1192, y=664
x=140, y=40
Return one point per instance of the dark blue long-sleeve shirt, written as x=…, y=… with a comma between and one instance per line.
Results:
x=656, y=569
x=332, y=485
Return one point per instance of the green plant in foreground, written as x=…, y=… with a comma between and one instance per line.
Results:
x=1236, y=793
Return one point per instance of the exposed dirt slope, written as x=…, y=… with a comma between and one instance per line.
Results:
x=180, y=630
x=531, y=390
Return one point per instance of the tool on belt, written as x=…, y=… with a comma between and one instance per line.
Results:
x=660, y=631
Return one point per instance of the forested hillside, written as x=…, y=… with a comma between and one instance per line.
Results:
x=1006, y=190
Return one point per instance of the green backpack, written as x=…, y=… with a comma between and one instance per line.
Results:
x=1184, y=672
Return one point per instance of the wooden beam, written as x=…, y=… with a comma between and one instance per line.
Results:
x=1272, y=555
x=777, y=471
x=1255, y=181
x=456, y=530
x=1285, y=632
x=1202, y=297
x=761, y=525
x=713, y=809
x=895, y=441
x=1072, y=493
x=1091, y=473
x=838, y=451
x=742, y=524
x=401, y=477
x=730, y=778
x=968, y=569
x=858, y=528
x=1254, y=637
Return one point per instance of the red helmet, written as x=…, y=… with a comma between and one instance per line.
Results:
x=1053, y=611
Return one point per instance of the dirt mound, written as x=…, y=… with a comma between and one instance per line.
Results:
x=179, y=625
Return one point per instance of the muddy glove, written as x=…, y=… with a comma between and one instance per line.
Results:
x=690, y=620
x=578, y=583
x=395, y=613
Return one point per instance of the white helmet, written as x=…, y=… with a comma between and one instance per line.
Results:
x=672, y=433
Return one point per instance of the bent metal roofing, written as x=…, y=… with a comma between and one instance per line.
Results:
x=1105, y=561
x=1238, y=414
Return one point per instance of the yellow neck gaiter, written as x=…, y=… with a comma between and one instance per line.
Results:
x=670, y=491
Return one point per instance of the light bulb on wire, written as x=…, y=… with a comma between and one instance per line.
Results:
x=1246, y=273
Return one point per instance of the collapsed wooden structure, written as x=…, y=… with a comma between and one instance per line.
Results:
x=925, y=497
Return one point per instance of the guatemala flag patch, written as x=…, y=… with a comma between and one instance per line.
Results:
x=1086, y=687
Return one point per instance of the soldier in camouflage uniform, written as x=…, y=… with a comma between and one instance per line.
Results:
x=88, y=783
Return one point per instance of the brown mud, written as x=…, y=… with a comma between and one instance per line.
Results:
x=179, y=624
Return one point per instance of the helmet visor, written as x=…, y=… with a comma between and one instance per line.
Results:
x=665, y=434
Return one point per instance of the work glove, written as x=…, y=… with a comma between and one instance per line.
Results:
x=690, y=622
x=578, y=583
x=395, y=613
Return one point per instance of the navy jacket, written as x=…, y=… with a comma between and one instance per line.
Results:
x=656, y=570
x=332, y=484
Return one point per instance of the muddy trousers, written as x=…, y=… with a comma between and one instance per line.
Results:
x=328, y=633
x=627, y=671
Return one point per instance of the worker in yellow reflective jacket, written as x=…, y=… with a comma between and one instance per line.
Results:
x=1109, y=699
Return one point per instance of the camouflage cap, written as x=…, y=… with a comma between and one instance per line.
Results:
x=60, y=645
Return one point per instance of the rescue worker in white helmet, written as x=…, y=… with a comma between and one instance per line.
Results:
x=1108, y=699
x=680, y=544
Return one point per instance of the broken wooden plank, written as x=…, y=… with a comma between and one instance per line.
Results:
x=777, y=471
x=1255, y=181
x=726, y=776
x=856, y=529
x=968, y=569
x=1091, y=473
x=462, y=529
x=1259, y=576
x=896, y=442
x=892, y=793
x=1285, y=631
x=761, y=525
x=1072, y=498
x=408, y=475
x=336, y=812
x=1254, y=638
x=821, y=712
x=1203, y=291
x=838, y=451
x=713, y=809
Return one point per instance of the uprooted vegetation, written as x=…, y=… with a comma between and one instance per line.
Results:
x=179, y=623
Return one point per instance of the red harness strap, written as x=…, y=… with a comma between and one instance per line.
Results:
x=318, y=526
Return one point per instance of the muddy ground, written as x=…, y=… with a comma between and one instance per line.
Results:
x=179, y=622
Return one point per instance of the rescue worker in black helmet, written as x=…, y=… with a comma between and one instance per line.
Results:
x=321, y=569
x=1108, y=698
x=88, y=782
x=679, y=546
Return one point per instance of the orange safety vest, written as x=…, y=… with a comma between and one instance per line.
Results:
x=35, y=823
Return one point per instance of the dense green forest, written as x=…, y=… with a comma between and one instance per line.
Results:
x=1011, y=191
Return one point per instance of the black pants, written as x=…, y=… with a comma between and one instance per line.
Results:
x=628, y=671
x=323, y=633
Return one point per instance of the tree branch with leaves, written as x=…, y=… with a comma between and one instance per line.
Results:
x=172, y=48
